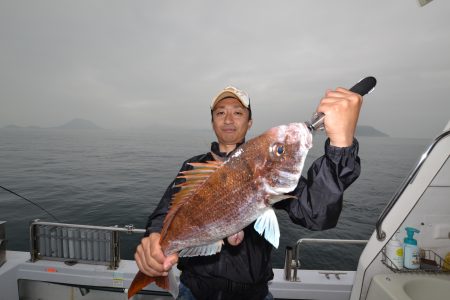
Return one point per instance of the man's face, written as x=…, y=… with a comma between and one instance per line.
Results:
x=230, y=121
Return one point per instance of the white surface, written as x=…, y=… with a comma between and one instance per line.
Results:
x=313, y=284
x=410, y=287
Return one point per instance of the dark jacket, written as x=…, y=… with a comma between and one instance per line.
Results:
x=247, y=266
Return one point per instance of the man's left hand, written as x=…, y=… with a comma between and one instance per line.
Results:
x=236, y=238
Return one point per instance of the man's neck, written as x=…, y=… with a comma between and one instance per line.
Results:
x=226, y=148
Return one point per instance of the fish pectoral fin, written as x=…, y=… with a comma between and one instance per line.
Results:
x=204, y=250
x=277, y=198
x=267, y=223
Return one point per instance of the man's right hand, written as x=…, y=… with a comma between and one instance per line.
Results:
x=151, y=260
x=341, y=108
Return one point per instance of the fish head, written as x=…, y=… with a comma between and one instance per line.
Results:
x=284, y=151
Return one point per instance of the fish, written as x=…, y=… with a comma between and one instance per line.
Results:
x=218, y=199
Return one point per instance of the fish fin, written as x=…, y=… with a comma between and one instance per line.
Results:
x=200, y=172
x=140, y=281
x=268, y=223
x=162, y=282
x=204, y=250
x=194, y=179
x=207, y=164
x=173, y=283
x=276, y=198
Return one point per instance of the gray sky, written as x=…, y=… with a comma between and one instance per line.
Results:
x=135, y=64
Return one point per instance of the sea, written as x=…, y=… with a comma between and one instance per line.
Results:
x=117, y=177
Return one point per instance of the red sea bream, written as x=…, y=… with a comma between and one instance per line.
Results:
x=219, y=199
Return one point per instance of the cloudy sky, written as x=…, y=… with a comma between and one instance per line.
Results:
x=133, y=64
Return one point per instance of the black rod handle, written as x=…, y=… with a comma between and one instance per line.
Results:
x=364, y=86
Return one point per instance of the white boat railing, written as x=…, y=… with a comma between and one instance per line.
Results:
x=292, y=258
x=381, y=235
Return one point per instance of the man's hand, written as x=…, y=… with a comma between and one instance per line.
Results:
x=341, y=108
x=150, y=258
x=236, y=238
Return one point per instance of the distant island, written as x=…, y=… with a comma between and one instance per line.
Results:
x=18, y=127
x=83, y=124
x=79, y=124
x=73, y=124
x=364, y=130
x=12, y=126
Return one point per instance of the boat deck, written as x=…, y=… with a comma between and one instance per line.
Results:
x=45, y=279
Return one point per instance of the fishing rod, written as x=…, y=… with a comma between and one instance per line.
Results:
x=35, y=204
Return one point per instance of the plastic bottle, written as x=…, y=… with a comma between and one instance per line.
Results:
x=394, y=251
x=411, y=250
x=446, y=266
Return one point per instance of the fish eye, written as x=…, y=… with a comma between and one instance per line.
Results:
x=278, y=149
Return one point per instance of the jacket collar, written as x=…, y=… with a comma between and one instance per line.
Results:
x=215, y=150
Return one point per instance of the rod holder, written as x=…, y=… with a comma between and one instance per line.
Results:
x=290, y=267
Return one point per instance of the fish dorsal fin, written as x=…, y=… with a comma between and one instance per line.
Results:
x=193, y=180
x=267, y=223
x=197, y=176
x=209, y=249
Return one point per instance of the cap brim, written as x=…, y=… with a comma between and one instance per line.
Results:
x=229, y=94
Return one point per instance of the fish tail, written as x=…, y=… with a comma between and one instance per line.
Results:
x=141, y=280
x=162, y=282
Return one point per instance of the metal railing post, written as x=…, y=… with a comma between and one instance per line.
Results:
x=293, y=263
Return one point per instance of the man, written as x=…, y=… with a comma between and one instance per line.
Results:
x=243, y=267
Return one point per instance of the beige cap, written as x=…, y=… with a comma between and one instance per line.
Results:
x=232, y=92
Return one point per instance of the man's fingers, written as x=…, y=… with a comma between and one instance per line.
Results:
x=344, y=90
x=142, y=264
x=150, y=258
x=147, y=264
x=340, y=94
x=341, y=97
x=154, y=253
x=236, y=238
x=170, y=261
x=341, y=107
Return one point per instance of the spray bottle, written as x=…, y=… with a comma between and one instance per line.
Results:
x=411, y=250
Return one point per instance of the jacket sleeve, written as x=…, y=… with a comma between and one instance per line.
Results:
x=320, y=194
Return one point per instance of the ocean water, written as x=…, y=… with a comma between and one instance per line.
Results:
x=106, y=177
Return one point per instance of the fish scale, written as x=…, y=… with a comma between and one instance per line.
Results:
x=220, y=205
x=216, y=214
